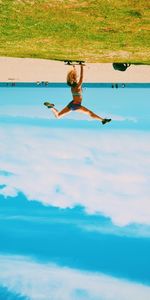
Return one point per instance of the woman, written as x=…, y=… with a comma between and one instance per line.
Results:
x=75, y=104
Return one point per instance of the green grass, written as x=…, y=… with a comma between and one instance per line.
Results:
x=91, y=30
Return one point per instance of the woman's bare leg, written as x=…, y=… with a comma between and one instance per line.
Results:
x=62, y=113
x=86, y=111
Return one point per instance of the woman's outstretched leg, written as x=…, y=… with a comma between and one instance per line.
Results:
x=57, y=114
x=85, y=110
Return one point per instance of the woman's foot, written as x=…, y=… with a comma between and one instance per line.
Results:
x=49, y=105
x=105, y=121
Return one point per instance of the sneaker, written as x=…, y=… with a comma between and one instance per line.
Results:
x=105, y=121
x=49, y=105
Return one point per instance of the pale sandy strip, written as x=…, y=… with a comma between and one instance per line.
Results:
x=32, y=70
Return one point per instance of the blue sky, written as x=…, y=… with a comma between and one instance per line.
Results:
x=74, y=195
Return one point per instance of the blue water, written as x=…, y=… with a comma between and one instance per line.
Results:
x=50, y=234
x=55, y=235
x=6, y=294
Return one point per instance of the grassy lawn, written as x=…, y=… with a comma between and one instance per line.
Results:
x=91, y=30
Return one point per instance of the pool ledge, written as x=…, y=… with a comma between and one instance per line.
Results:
x=34, y=70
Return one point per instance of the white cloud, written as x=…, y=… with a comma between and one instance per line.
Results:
x=133, y=230
x=104, y=171
x=124, y=118
x=51, y=282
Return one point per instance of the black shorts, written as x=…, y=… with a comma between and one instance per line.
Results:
x=74, y=106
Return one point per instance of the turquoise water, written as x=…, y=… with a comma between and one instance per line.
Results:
x=74, y=194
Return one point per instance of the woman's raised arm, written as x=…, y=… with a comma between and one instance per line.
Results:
x=81, y=75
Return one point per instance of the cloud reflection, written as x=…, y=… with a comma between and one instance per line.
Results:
x=48, y=281
x=97, y=170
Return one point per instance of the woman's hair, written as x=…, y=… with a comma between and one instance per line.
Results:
x=71, y=78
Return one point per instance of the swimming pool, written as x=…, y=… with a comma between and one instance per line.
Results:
x=74, y=194
x=127, y=104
